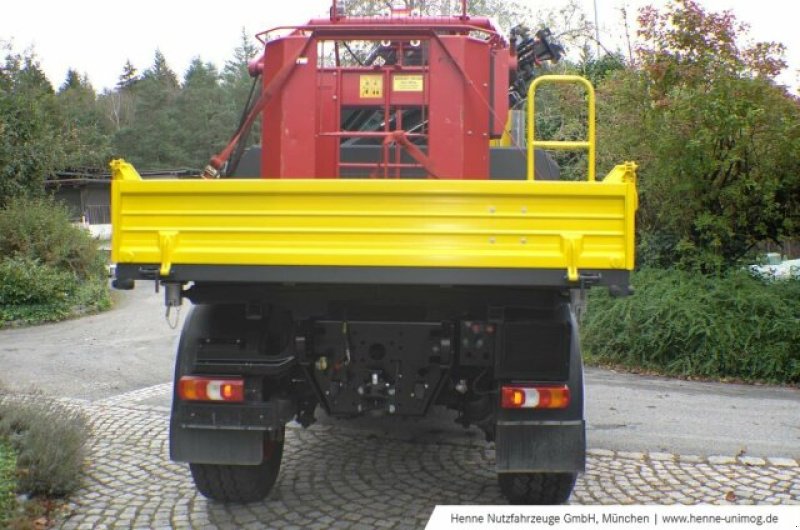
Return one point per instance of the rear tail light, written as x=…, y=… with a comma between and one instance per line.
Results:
x=193, y=388
x=535, y=397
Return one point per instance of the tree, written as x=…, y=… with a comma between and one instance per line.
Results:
x=201, y=111
x=161, y=72
x=30, y=144
x=237, y=86
x=148, y=140
x=235, y=70
x=714, y=136
x=72, y=81
x=129, y=76
x=84, y=136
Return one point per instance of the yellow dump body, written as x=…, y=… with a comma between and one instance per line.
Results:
x=571, y=226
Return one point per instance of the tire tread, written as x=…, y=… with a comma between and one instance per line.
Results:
x=537, y=488
x=238, y=484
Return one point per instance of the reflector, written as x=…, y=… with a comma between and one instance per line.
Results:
x=193, y=388
x=539, y=397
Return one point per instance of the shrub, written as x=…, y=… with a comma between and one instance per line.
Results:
x=686, y=324
x=49, y=269
x=8, y=465
x=50, y=442
x=40, y=230
x=25, y=281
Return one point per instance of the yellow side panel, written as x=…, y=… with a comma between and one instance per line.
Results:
x=412, y=223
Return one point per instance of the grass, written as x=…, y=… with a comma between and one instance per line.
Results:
x=734, y=327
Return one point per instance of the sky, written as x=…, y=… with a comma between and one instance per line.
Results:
x=96, y=37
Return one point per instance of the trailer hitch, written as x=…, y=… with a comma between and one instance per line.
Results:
x=173, y=298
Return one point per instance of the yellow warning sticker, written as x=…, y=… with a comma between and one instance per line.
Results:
x=370, y=86
x=407, y=83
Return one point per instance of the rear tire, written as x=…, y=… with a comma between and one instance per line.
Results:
x=241, y=484
x=537, y=488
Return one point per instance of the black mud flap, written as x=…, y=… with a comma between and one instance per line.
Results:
x=215, y=447
x=544, y=447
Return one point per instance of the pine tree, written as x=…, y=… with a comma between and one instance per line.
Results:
x=129, y=76
x=72, y=81
x=236, y=69
x=160, y=71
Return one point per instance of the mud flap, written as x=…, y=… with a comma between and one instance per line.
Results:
x=543, y=447
x=215, y=447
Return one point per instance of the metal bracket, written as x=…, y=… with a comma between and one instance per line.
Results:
x=166, y=243
x=572, y=245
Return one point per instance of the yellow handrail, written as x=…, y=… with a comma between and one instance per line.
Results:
x=588, y=144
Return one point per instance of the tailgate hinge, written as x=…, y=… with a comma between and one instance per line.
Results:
x=572, y=246
x=166, y=243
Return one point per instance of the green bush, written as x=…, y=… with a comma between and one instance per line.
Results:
x=25, y=281
x=686, y=324
x=50, y=442
x=49, y=269
x=40, y=230
x=8, y=484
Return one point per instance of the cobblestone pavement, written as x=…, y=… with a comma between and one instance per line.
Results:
x=337, y=476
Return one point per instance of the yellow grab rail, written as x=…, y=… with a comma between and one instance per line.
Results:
x=588, y=144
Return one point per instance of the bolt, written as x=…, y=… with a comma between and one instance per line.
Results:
x=524, y=240
x=491, y=240
x=524, y=209
x=491, y=209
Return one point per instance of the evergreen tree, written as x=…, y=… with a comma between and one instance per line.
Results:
x=85, y=138
x=149, y=140
x=129, y=76
x=235, y=70
x=30, y=144
x=72, y=81
x=202, y=126
x=160, y=71
x=237, y=85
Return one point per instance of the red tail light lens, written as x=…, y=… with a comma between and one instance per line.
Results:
x=194, y=388
x=538, y=397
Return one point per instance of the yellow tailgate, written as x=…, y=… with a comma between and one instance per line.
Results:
x=375, y=223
